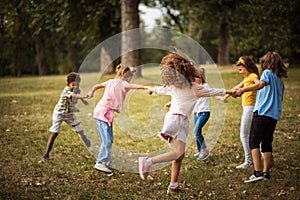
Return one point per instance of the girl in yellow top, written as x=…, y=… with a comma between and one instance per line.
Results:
x=249, y=70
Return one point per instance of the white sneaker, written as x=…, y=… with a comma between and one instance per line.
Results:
x=144, y=168
x=196, y=154
x=102, y=167
x=203, y=155
x=244, y=165
x=254, y=178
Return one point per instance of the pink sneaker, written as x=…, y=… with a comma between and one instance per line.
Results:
x=143, y=168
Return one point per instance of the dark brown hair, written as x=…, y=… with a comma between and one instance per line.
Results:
x=273, y=62
x=177, y=70
x=73, y=77
x=249, y=64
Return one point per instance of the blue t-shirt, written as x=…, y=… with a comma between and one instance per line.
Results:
x=269, y=98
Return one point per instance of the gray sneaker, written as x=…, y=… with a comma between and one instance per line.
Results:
x=196, y=154
x=203, y=155
x=244, y=165
x=102, y=167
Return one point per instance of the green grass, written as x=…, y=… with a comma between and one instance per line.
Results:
x=26, y=108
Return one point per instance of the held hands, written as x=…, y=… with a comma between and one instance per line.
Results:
x=90, y=95
x=149, y=89
x=236, y=92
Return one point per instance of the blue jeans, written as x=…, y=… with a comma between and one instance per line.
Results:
x=106, y=138
x=200, y=120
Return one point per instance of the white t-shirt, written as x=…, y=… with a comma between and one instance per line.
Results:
x=202, y=104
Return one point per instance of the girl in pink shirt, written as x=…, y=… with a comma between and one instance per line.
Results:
x=111, y=101
x=178, y=74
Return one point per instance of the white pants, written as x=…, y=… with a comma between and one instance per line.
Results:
x=245, y=131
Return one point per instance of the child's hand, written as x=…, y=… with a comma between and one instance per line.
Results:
x=89, y=95
x=167, y=106
x=149, y=89
x=224, y=99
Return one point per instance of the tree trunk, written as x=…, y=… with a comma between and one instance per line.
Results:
x=40, y=55
x=74, y=57
x=130, y=39
x=224, y=44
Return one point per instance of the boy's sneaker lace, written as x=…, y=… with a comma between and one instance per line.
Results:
x=144, y=168
x=257, y=176
x=175, y=189
x=203, y=155
x=244, y=165
x=102, y=167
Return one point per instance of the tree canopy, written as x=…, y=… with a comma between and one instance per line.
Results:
x=54, y=36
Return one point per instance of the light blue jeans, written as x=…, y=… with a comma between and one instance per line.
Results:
x=200, y=120
x=245, y=132
x=106, y=138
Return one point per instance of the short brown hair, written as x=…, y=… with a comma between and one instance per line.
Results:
x=73, y=77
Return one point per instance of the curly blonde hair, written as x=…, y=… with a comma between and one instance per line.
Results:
x=177, y=70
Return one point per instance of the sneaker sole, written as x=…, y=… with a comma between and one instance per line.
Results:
x=204, y=157
x=254, y=179
x=107, y=171
x=141, y=168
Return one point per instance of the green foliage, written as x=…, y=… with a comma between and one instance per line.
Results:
x=38, y=36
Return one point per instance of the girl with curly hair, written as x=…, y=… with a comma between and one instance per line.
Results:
x=178, y=74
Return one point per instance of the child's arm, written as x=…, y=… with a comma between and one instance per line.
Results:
x=225, y=98
x=94, y=88
x=84, y=102
x=135, y=86
x=258, y=84
x=79, y=96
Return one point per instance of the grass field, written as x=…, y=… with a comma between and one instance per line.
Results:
x=26, y=106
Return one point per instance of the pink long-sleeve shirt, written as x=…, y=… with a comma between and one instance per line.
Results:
x=183, y=100
x=112, y=100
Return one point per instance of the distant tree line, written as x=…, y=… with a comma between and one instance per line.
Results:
x=54, y=36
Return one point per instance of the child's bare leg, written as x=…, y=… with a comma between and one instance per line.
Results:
x=268, y=161
x=176, y=165
x=50, y=143
x=256, y=156
x=178, y=151
x=84, y=138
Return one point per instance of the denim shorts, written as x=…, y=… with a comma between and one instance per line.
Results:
x=261, y=133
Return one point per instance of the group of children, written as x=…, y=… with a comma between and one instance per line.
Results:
x=186, y=84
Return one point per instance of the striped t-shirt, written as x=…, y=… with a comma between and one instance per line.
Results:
x=65, y=104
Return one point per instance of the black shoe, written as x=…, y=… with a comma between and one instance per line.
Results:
x=45, y=157
x=267, y=176
x=257, y=176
